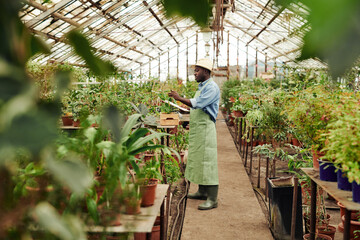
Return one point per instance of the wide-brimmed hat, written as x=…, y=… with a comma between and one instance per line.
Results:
x=204, y=63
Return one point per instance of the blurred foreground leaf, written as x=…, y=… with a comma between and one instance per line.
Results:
x=335, y=32
x=198, y=10
x=70, y=171
x=83, y=49
x=66, y=227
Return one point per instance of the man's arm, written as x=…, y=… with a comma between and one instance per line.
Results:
x=177, y=97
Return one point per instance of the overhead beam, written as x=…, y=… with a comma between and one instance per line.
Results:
x=138, y=41
x=47, y=12
x=102, y=34
x=258, y=39
x=107, y=15
x=268, y=24
x=169, y=49
x=166, y=40
x=75, y=24
x=159, y=21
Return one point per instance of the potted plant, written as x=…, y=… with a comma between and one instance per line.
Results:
x=148, y=178
x=343, y=140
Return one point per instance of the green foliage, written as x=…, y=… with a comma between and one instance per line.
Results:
x=334, y=33
x=343, y=138
x=172, y=169
x=199, y=10
x=82, y=47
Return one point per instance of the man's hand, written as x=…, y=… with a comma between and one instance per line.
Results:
x=177, y=97
x=174, y=95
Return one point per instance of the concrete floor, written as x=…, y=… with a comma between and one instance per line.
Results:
x=239, y=215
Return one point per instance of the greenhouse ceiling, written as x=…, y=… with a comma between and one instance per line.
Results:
x=130, y=33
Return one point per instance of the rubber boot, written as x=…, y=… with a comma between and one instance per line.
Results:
x=200, y=194
x=211, y=201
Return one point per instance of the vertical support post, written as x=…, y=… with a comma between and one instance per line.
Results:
x=266, y=177
x=214, y=52
x=294, y=208
x=247, y=62
x=162, y=222
x=240, y=134
x=140, y=69
x=243, y=154
x=256, y=63
x=187, y=59
x=259, y=165
x=237, y=61
x=247, y=147
x=196, y=42
x=159, y=67
x=313, y=210
x=149, y=68
x=275, y=68
x=177, y=62
x=266, y=65
x=168, y=76
x=347, y=224
x=251, y=148
x=228, y=57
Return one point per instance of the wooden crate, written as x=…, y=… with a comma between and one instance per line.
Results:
x=170, y=119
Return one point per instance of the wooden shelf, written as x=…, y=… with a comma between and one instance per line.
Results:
x=142, y=222
x=345, y=197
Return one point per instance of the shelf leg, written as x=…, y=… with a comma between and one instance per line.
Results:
x=347, y=224
x=313, y=210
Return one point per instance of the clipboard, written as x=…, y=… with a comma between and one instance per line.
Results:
x=177, y=106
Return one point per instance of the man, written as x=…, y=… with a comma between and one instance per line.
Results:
x=201, y=167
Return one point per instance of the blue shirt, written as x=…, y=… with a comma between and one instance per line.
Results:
x=208, y=100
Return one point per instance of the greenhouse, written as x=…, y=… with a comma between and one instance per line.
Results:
x=179, y=119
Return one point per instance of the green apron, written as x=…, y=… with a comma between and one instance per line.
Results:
x=201, y=167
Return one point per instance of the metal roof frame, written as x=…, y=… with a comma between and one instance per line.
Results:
x=131, y=33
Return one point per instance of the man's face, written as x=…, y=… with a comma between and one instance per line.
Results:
x=199, y=74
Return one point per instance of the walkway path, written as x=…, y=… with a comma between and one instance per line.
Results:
x=239, y=215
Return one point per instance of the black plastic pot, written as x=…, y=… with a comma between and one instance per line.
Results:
x=280, y=211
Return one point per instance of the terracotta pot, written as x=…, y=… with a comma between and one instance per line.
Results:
x=295, y=142
x=132, y=206
x=354, y=226
x=237, y=114
x=354, y=214
x=148, y=193
x=328, y=230
x=109, y=217
x=67, y=120
x=173, y=130
x=76, y=123
x=148, y=156
x=316, y=156
x=182, y=154
x=155, y=233
x=231, y=120
x=318, y=237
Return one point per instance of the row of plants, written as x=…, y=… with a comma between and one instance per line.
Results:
x=320, y=115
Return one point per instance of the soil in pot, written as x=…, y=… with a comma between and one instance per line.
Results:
x=318, y=237
x=328, y=230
